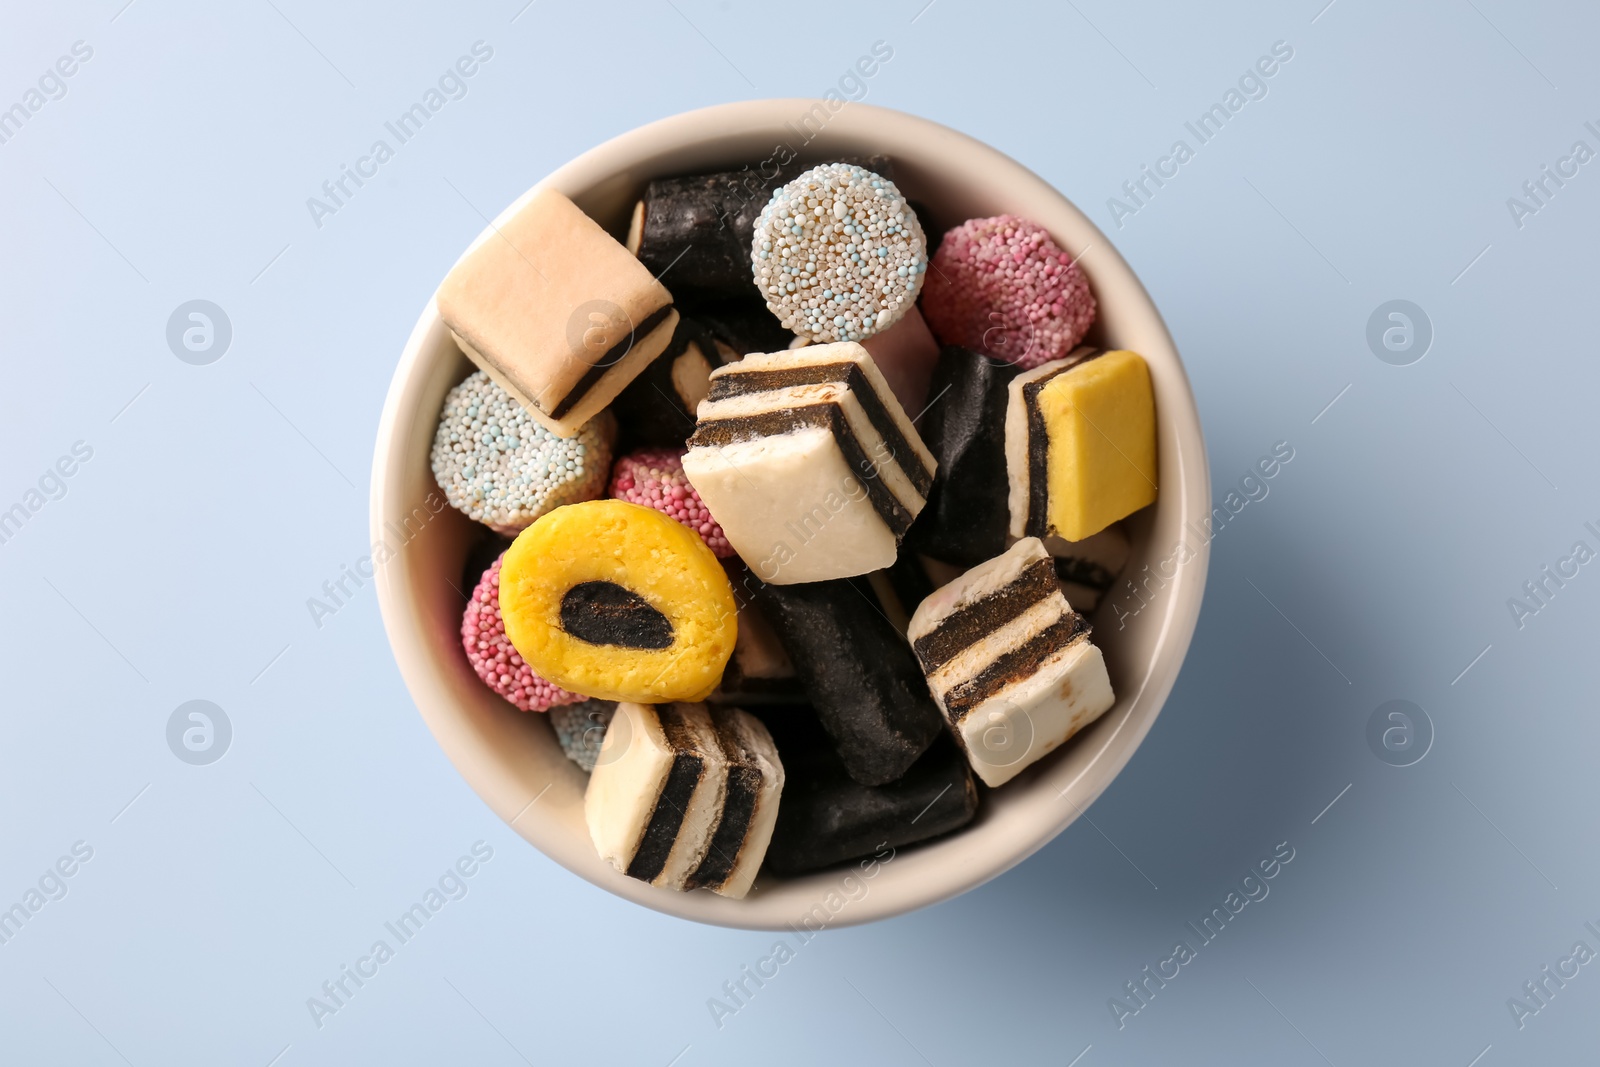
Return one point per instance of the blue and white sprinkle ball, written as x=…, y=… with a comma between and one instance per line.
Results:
x=838, y=254
x=500, y=467
x=581, y=728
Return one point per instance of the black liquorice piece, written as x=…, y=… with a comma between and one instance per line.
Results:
x=967, y=518
x=828, y=818
x=743, y=326
x=694, y=233
x=860, y=674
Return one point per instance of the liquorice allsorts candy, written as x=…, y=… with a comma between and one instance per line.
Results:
x=654, y=478
x=1080, y=444
x=493, y=659
x=809, y=463
x=500, y=466
x=618, y=602
x=556, y=311
x=899, y=589
x=838, y=253
x=684, y=796
x=1009, y=662
x=1002, y=286
x=697, y=230
x=828, y=818
x=967, y=519
x=859, y=673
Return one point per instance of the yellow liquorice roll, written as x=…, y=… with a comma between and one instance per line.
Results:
x=1080, y=444
x=618, y=602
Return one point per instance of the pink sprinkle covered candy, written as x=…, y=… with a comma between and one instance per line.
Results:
x=1003, y=287
x=654, y=478
x=483, y=635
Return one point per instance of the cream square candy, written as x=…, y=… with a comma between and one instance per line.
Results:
x=556, y=312
x=809, y=463
x=656, y=791
x=685, y=797
x=1009, y=662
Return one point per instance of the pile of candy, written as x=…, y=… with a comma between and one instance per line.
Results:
x=779, y=613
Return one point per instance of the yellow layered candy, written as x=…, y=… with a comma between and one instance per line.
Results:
x=618, y=602
x=1081, y=444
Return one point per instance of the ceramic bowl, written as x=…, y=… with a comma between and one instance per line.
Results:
x=512, y=759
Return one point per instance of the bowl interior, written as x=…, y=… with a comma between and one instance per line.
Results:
x=512, y=759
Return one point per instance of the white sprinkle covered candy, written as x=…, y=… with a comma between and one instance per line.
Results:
x=838, y=253
x=502, y=468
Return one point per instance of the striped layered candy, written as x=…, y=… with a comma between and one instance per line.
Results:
x=1080, y=444
x=1009, y=662
x=683, y=796
x=749, y=805
x=809, y=463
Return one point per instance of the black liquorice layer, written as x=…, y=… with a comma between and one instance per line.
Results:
x=1038, y=444
x=1021, y=662
x=735, y=382
x=909, y=580
x=972, y=622
x=604, y=613
x=727, y=841
x=607, y=362
x=673, y=803
x=746, y=383
x=719, y=433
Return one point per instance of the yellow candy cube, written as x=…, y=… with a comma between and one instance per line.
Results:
x=1080, y=444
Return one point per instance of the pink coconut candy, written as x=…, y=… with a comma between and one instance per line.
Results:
x=654, y=478
x=489, y=650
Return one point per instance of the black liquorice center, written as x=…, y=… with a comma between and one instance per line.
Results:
x=604, y=613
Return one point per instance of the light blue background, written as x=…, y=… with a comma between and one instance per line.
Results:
x=179, y=563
